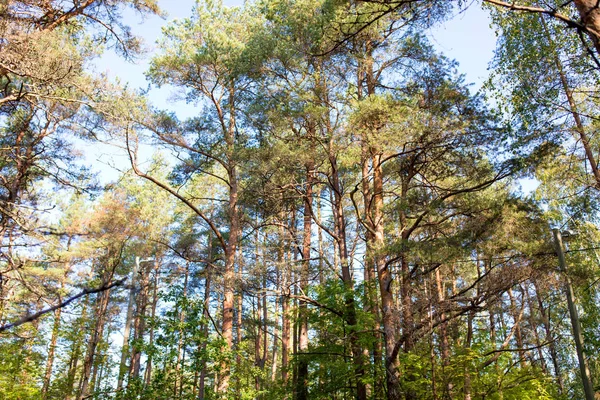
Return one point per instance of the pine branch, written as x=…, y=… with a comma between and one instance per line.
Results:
x=33, y=317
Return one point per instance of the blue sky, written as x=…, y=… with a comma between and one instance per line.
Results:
x=467, y=38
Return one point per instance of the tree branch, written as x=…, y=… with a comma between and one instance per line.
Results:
x=33, y=317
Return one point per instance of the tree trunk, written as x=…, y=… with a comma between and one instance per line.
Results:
x=181, y=333
x=231, y=248
x=350, y=305
x=518, y=337
x=283, y=261
x=302, y=380
x=589, y=11
x=468, y=385
x=94, y=340
x=51, y=350
x=148, y=371
x=139, y=323
x=76, y=350
x=444, y=345
x=588, y=386
x=549, y=338
x=127, y=329
x=205, y=311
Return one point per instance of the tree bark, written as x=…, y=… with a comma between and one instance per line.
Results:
x=589, y=11
x=94, y=340
x=205, y=312
x=139, y=323
x=51, y=350
x=302, y=380
x=127, y=329
x=148, y=371
x=232, y=243
x=350, y=304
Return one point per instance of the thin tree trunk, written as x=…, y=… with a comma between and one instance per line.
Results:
x=181, y=333
x=239, y=333
x=232, y=243
x=94, y=341
x=51, y=350
x=275, y=342
x=127, y=329
x=468, y=385
x=592, y=18
x=148, y=371
x=444, y=345
x=533, y=325
x=283, y=261
x=205, y=311
x=302, y=379
x=389, y=311
x=76, y=350
x=350, y=305
x=518, y=336
x=549, y=338
x=139, y=324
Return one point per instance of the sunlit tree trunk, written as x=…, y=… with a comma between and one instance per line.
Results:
x=127, y=329
x=284, y=259
x=350, y=304
x=545, y=314
x=232, y=243
x=444, y=344
x=205, y=310
x=94, y=340
x=302, y=380
x=50, y=356
x=181, y=334
x=139, y=323
x=149, y=366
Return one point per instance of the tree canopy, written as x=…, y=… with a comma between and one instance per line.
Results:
x=341, y=216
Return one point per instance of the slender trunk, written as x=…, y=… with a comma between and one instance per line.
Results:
x=320, y=244
x=259, y=361
x=384, y=276
x=238, y=329
x=76, y=350
x=350, y=305
x=549, y=338
x=265, y=325
x=468, y=385
x=283, y=258
x=148, y=371
x=592, y=20
x=231, y=247
x=181, y=333
x=205, y=311
x=293, y=258
x=370, y=297
x=139, y=323
x=295, y=328
x=533, y=326
x=518, y=336
x=127, y=330
x=94, y=341
x=275, y=344
x=588, y=386
x=444, y=345
x=101, y=366
x=302, y=380
x=51, y=350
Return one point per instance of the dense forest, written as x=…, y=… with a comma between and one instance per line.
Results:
x=343, y=217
